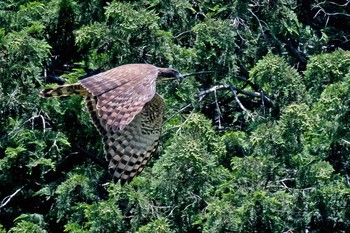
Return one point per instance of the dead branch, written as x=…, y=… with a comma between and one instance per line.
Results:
x=240, y=104
x=8, y=198
x=218, y=109
x=178, y=112
x=198, y=73
x=201, y=94
x=264, y=97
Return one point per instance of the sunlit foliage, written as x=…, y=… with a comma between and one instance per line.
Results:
x=258, y=143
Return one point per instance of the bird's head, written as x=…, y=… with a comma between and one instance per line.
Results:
x=169, y=73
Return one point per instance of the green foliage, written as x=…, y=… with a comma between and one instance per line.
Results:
x=330, y=118
x=212, y=47
x=29, y=223
x=189, y=171
x=74, y=190
x=173, y=15
x=100, y=217
x=325, y=69
x=272, y=158
x=198, y=149
x=158, y=225
x=328, y=205
x=37, y=219
x=2, y=230
x=123, y=34
x=279, y=80
x=24, y=226
x=24, y=50
x=254, y=197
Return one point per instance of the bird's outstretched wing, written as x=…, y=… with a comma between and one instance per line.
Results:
x=126, y=111
x=130, y=149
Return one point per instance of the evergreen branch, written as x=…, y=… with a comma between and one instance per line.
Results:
x=70, y=161
x=92, y=156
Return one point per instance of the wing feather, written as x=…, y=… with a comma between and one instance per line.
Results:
x=122, y=92
x=130, y=149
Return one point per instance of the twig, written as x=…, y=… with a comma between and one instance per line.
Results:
x=199, y=72
x=39, y=115
x=267, y=100
x=240, y=104
x=194, y=202
x=183, y=123
x=8, y=198
x=262, y=102
x=181, y=110
x=235, y=24
x=54, y=145
x=143, y=54
x=182, y=33
x=217, y=109
x=259, y=21
x=328, y=15
x=201, y=94
x=171, y=212
x=247, y=81
x=338, y=13
x=345, y=141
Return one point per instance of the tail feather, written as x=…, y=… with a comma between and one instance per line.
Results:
x=64, y=90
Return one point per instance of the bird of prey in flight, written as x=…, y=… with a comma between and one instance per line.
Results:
x=127, y=112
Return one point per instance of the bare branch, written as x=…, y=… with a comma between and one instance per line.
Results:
x=8, y=198
x=240, y=104
x=266, y=99
x=183, y=123
x=178, y=112
x=328, y=14
x=346, y=141
x=338, y=13
x=198, y=73
x=182, y=33
x=341, y=5
x=201, y=94
x=259, y=21
x=217, y=109
x=143, y=54
x=171, y=212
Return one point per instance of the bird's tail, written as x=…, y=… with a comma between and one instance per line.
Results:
x=64, y=90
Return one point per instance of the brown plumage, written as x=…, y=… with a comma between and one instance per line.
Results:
x=127, y=112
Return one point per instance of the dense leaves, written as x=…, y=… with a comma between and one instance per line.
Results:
x=260, y=143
